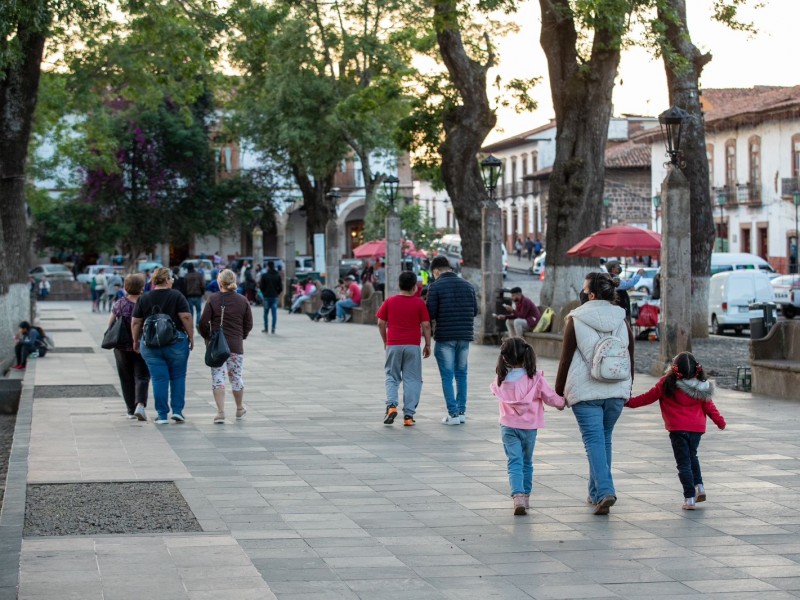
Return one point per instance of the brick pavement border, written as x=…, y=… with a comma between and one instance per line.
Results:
x=12, y=516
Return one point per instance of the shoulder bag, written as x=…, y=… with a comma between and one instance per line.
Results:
x=217, y=350
x=118, y=335
x=159, y=329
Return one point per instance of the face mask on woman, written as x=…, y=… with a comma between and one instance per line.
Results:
x=584, y=297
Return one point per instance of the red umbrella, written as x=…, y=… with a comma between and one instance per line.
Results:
x=620, y=240
x=377, y=249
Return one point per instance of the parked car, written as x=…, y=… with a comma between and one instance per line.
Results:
x=740, y=261
x=200, y=264
x=787, y=294
x=148, y=265
x=645, y=283
x=280, y=264
x=92, y=270
x=538, y=263
x=348, y=263
x=730, y=295
x=450, y=246
x=54, y=272
x=303, y=264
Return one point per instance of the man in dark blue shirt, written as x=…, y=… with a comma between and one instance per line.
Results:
x=453, y=307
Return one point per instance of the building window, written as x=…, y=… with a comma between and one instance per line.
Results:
x=534, y=162
x=503, y=189
x=796, y=155
x=754, y=160
x=730, y=168
x=524, y=173
x=513, y=175
x=710, y=157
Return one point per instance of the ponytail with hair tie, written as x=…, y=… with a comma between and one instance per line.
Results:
x=677, y=371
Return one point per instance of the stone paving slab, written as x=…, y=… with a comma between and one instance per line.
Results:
x=326, y=502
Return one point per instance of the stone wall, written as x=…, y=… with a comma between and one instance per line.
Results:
x=14, y=307
x=631, y=198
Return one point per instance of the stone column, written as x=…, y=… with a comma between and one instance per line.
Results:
x=258, y=245
x=491, y=272
x=288, y=255
x=676, y=273
x=331, y=253
x=393, y=254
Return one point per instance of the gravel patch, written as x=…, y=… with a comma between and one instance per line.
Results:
x=72, y=350
x=719, y=355
x=75, y=391
x=7, y=423
x=51, y=330
x=107, y=508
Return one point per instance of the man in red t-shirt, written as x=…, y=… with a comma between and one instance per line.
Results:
x=353, y=299
x=400, y=320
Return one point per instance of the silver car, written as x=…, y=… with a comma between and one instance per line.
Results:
x=53, y=273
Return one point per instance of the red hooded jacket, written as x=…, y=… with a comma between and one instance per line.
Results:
x=687, y=409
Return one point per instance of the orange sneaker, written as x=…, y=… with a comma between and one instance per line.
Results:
x=408, y=421
x=391, y=413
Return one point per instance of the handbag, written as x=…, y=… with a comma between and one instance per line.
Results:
x=217, y=350
x=117, y=336
x=159, y=329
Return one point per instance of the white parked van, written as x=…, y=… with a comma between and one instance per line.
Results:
x=739, y=261
x=730, y=295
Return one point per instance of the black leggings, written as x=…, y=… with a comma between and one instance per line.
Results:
x=21, y=351
x=684, y=447
x=134, y=378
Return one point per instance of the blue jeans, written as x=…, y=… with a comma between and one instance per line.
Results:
x=596, y=420
x=167, y=367
x=343, y=306
x=195, y=305
x=270, y=306
x=452, y=358
x=518, y=444
x=684, y=447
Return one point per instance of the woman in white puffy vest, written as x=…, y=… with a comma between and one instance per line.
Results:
x=596, y=402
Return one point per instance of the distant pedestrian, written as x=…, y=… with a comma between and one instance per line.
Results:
x=113, y=285
x=537, y=247
x=178, y=282
x=134, y=376
x=596, y=403
x=44, y=288
x=452, y=306
x=99, y=284
x=518, y=248
x=26, y=342
x=529, y=247
x=194, y=284
x=167, y=364
x=402, y=321
x=352, y=299
x=271, y=286
x=521, y=391
x=379, y=277
x=523, y=314
x=684, y=395
x=237, y=321
x=249, y=283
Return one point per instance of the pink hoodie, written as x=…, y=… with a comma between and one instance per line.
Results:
x=521, y=399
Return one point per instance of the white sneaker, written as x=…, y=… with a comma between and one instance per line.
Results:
x=219, y=419
x=699, y=493
x=689, y=504
x=448, y=420
x=131, y=416
x=140, y=413
x=162, y=421
x=462, y=418
x=178, y=418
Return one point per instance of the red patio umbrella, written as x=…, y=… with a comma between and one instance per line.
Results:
x=377, y=249
x=620, y=240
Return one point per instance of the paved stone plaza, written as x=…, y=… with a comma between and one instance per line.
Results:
x=311, y=497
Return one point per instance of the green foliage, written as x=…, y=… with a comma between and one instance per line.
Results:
x=413, y=221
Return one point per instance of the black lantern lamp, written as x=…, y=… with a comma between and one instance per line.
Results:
x=671, y=122
x=390, y=185
x=258, y=212
x=333, y=197
x=490, y=171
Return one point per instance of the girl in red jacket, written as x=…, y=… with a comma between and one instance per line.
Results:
x=684, y=395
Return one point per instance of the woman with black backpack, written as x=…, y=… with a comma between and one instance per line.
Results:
x=163, y=333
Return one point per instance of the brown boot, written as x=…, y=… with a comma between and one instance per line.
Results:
x=519, y=505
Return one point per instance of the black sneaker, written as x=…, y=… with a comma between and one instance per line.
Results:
x=391, y=413
x=408, y=421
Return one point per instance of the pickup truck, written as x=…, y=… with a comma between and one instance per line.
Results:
x=787, y=294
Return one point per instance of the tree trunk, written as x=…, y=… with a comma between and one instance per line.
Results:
x=318, y=209
x=466, y=127
x=581, y=91
x=19, y=90
x=683, y=63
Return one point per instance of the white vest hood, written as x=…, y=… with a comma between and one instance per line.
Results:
x=594, y=320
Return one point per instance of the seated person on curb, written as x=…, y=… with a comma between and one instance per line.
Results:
x=351, y=300
x=400, y=319
x=26, y=342
x=524, y=314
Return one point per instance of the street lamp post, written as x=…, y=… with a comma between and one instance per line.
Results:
x=721, y=203
x=491, y=252
x=606, y=204
x=796, y=198
x=393, y=250
x=656, y=205
x=258, y=236
x=676, y=296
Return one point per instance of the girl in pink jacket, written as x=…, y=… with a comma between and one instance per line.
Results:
x=684, y=395
x=521, y=390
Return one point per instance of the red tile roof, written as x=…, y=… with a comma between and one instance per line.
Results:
x=622, y=155
x=727, y=108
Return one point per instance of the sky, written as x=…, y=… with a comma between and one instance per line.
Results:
x=739, y=60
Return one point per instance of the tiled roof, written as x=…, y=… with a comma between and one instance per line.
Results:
x=628, y=155
x=518, y=139
x=727, y=107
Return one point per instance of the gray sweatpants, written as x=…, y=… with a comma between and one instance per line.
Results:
x=404, y=363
